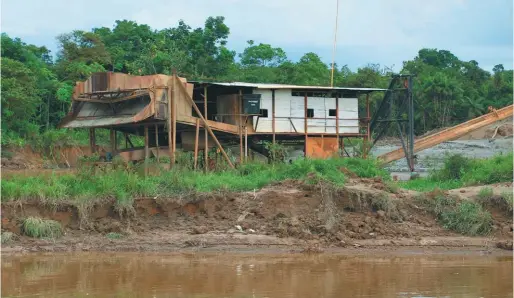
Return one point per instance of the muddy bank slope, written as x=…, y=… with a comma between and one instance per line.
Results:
x=289, y=215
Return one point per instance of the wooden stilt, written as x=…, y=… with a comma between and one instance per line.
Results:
x=157, y=143
x=147, y=149
x=175, y=99
x=240, y=126
x=92, y=140
x=196, y=143
x=112, y=140
x=206, y=148
x=170, y=125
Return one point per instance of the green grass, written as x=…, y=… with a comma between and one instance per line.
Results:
x=42, y=228
x=114, y=236
x=464, y=217
x=459, y=171
x=7, y=237
x=124, y=186
x=485, y=194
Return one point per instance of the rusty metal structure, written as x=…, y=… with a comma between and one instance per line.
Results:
x=451, y=133
x=170, y=111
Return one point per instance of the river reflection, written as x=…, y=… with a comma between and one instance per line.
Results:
x=238, y=275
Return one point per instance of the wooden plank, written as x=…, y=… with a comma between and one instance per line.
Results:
x=206, y=124
x=196, y=143
x=451, y=133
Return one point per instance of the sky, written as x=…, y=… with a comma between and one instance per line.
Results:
x=369, y=31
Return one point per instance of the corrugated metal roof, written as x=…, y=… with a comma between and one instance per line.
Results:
x=285, y=86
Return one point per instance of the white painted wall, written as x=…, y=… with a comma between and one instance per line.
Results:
x=287, y=105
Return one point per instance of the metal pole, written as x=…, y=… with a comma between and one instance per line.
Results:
x=305, y=122
x=411, y=125
x=334, y=50
x=240, y=126
x=273, y=113
x=337, y=120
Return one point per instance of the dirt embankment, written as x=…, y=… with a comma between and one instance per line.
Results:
x=287, y=215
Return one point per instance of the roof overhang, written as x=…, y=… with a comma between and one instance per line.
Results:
x=285, y=86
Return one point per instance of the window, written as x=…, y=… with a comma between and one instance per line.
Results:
x=264, y=113
x=310, y=113
x=332, y=112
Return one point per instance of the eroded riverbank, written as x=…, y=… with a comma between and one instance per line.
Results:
x=288, y=216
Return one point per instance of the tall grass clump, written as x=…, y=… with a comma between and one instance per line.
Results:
x=42, y=228
x=464, y=217
x=124, y=185
x=459, y=171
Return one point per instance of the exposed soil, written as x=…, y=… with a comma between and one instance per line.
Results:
x=289, y=215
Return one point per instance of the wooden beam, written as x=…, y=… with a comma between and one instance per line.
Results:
x=92, y=140
x=157, y=142
x=112, y=139
x=273, y=113
x=170, y=126
x=196, y=143
x=206, y=124
x=206, y=149
x=366, y=139
x=147, y=149
x=175, y=99
x=136, y=95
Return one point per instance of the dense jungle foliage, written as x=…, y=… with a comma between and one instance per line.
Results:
x=37, y=87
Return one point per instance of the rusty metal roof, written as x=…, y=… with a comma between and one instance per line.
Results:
x=286, y=86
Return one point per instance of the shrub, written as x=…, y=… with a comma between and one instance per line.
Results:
x=42, y=228
x=7, y=237
x=467, y=218
x=485, y=194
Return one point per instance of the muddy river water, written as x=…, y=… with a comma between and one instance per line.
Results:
x=255, y=275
